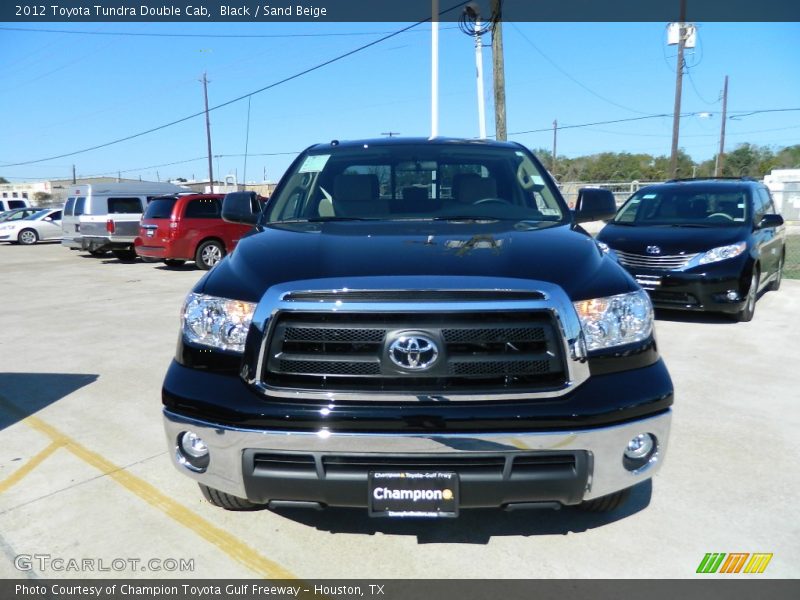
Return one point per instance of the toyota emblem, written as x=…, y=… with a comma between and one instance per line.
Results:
x=653, y=250
x=414, y=352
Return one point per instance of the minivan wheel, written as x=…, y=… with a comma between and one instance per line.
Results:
x=606, y=503
x=174, y=262
x=227, y=501
x=746, y=314
x=209, y=254
x=28, y=237
x=124, y=255
x=775, y=284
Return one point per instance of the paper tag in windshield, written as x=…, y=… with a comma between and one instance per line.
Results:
x=314, y=163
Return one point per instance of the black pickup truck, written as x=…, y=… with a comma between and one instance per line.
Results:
x=416, y=327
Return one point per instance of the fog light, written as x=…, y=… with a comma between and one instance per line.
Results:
x=732, y=295
x=640, y=451
x=192, y=452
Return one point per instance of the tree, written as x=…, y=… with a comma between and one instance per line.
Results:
x=4, y=180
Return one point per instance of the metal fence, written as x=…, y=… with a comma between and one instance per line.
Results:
x=621, y=189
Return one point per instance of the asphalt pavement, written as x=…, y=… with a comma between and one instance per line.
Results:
x=85, y=474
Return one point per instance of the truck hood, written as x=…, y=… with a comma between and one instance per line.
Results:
x=284, y=253
x=671, y=240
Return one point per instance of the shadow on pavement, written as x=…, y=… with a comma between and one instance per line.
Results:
x=686, y=316
x=472, y=526
x=24, y=394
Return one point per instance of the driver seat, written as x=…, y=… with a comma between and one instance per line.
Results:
x=468, y=188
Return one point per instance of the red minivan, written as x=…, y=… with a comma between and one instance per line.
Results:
x=187, y=227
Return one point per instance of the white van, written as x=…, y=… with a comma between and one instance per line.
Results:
x=9, y=203
x=93, y=202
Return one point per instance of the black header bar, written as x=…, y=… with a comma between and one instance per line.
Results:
x=282, y=11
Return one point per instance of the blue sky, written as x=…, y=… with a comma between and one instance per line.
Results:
x=63, y=92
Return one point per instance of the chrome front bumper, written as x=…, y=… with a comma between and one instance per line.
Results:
x=605, y=446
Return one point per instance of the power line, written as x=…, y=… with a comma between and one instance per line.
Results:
x=688, y=114
x=203, y=35
x=570, y=77
x=248, y=95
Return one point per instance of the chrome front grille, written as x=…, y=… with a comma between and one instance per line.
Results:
x=510, y=350
x=660, y=263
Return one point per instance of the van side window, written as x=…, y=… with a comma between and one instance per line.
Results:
x=124, y=205
x=203, y=208
x=16, y=204
x=69, y=206
x=79, y=206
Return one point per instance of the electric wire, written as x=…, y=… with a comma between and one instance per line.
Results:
x=239, y=98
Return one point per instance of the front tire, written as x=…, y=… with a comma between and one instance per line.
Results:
x=606, y=503
x=746, y=314
x=227, y=501
x=28, y=237
x=208, y=254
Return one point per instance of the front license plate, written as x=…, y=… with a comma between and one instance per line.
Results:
x=413, y=494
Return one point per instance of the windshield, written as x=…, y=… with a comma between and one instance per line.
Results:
x=690, y=207
x=416, y=181
x=37, y=215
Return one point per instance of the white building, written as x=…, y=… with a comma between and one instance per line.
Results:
x=784, y=184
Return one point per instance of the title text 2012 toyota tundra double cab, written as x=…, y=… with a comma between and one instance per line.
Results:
x=417, y=327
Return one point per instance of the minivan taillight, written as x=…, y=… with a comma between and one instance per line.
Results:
x=110, y=227
x=173, y=229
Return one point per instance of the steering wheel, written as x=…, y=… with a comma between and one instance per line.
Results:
x=724, y=215
x=491, y=201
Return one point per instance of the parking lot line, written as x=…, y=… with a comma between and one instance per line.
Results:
x=227, y=543
x=29, y=466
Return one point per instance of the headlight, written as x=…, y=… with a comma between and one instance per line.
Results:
x=216, y=322
x=615, y=320
x=722, y=253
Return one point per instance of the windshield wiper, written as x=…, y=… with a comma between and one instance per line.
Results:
x=689, y=225
x=322, y=220
x=465, y=218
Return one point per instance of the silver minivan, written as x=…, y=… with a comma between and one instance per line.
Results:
x=92, y=203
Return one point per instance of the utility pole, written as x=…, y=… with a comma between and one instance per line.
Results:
x=498, y=69
x=676, y=116
x=246, y=141
x=208, y=132
x=555, y=139
x=434, y=68
x=479, y=76
x=721, y=153
x=74, y=181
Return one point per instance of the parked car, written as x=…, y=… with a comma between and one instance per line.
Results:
x=9, y=203
x=18, y=213
x=701, y=244
x=90, y=207
x=45, y=224
x=417, y=327
x=187, y=227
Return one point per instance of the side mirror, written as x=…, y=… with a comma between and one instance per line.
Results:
x=770, y=221
x=595, y=204
x=241, y=207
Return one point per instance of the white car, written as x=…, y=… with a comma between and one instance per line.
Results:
x=42, y=225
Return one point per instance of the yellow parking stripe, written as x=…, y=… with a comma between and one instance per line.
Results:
x=226, y=542
x=29, y=466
